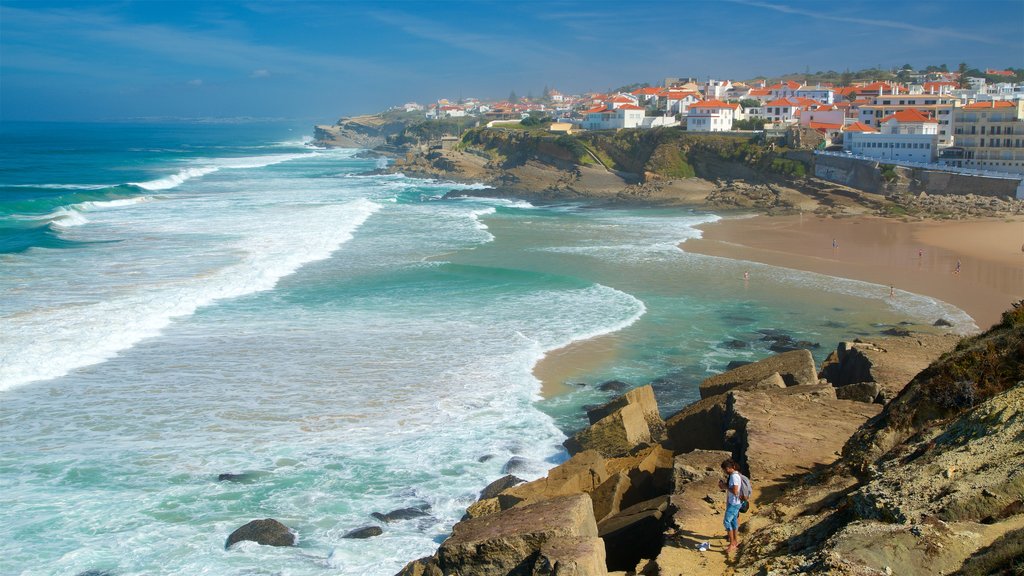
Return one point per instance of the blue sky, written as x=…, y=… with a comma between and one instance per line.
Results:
x=320, y=60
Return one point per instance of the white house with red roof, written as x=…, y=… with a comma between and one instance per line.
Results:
x=831, y=115
x=679, y=101
x=648, y=94
x=785, y=89
x=779, y=111
x=712, y=116
x=907, y=136
x=620, y=100
x=608, y=118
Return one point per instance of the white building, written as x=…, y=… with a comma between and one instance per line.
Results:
x=819, y=94
x=907, y=136
x=607, y=118
x=679, y=101
x=937, y=106
x=716, y=89
x=711, y=116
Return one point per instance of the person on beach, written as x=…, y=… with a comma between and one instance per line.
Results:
x=892, y=291
x=732, y=503
x=746, y=276
x=957, y=270
x=835, y=244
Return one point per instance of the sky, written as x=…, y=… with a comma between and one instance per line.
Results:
x=95, y=61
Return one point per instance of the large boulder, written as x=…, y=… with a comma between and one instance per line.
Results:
x=643, y=397
x=510, y=542
x=860, y=392
x=571, y=557
x=889, y=362
x=580, y=474
x=268, y=532
x=364, y=532
x=783, y=433
x=615, y=434
x=499, y=486
x=402, y=514
x=795, y=367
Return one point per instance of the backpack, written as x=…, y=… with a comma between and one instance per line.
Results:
x=746, y=490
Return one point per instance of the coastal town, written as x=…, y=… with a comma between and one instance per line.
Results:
x=966, y=119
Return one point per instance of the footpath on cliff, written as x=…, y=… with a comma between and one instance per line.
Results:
x=899, y=455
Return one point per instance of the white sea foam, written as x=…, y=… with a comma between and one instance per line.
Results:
x=50, y=343
x=209, y=166
x=65, y=218
x=175, y=180
x=118, y=203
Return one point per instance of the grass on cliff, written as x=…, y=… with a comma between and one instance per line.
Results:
x=1004, y=556
x=977, y=369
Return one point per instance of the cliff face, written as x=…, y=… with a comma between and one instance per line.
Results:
x=358, y=132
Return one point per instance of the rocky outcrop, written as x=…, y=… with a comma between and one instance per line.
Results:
x=368, y=131
x=784, y=432
x=795, y=367
x=936, y=479
x=615, y=434
x=401, y=514
x=511, y=541
x=364, y=532
x=888, y=362
x=268, y=532
x=643, y=397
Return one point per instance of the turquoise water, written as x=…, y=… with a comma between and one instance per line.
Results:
x=182, y=301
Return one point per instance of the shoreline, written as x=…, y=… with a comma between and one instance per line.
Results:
x=878, y=250
x=886, y=252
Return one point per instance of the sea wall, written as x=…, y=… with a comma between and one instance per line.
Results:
x=865, y=175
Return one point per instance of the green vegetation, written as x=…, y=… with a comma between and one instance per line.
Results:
x=888, y=172
x=793, y=168
x=748, y=124
x=977, y=369
x=425, y=131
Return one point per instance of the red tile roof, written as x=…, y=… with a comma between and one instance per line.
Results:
x=824, y=126
x=910, y=116
x=714, y=104
x=622, y=99
x=783, y=103
x=631, y=107
x=990, y=105
x=859, y=127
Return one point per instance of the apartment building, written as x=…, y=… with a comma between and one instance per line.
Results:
x=938, y=106
x=991, y=136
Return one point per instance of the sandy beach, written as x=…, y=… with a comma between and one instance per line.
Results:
x=920, y=257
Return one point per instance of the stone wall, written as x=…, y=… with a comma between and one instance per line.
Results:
x=865, y=175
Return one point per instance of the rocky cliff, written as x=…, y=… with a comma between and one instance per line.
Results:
x=856, y=475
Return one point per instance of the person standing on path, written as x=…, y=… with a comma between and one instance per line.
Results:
x=732, y=503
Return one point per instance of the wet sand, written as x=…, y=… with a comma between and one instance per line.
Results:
x=919, y=257
x=560, y=366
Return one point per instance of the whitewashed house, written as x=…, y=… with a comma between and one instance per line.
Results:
x=608, y=118
x=711, y=116
x=907, y=135
x=679, y=101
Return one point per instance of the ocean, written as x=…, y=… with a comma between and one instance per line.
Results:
x=180, y=301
